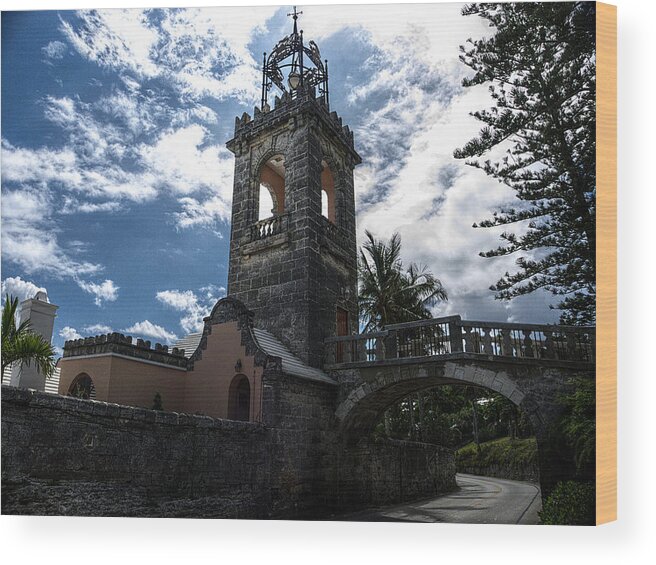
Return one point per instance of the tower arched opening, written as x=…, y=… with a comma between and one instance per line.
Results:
x=327, y=192
x=271, y=200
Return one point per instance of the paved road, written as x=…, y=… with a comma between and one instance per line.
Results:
x=479, y=500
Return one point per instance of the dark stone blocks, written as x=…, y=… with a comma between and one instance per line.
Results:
x=287, y=278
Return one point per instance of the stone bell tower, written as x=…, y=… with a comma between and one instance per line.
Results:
x=295, y=266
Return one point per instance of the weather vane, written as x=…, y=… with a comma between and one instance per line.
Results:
x=289, y=56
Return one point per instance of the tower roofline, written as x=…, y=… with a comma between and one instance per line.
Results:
x=286, y=107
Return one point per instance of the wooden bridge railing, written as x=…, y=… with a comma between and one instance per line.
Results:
x=451, y=335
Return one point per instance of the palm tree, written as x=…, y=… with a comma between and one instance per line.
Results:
x=22, y=345
x=387, y=293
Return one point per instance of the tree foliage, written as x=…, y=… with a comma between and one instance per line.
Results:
x=445, y=416
x=21, y=345
x=540, y=62
x=579, y=425
x=572, y=503
x=388, y=294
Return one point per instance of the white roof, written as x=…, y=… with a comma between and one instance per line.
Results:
x=189, y=343
x=290, y=364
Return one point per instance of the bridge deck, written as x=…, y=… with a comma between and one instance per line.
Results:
x=451, y=337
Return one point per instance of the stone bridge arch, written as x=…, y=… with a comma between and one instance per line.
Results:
x=535, y=388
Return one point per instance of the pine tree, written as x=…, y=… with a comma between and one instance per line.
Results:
x=541, y=65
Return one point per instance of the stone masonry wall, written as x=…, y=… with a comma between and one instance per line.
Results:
x=65, y=456
x=68, y=456
x=294, y=279
x=299, y=415
x=388, y=471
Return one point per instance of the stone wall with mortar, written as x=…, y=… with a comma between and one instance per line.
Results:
x=385, y=471
x=79, y=457
x=300, y=417
x=293, y=279
x=65, y=456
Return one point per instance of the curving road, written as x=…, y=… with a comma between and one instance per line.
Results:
x=479, y=500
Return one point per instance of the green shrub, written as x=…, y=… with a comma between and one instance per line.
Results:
x=572, y=503
x=503, y=451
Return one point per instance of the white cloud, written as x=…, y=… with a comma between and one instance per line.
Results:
x=106, y=291
x=73, y=206
x=194, y=306
x=69, y=333
x=177, y=299
x=84, y=168
x=205, y=213
x=203, y=52
x=29, y=240
x=114, y=38
x=55, y=50
x=39, y=166
x=186, y=166
x=19, y=288
x=89, y=174
x=148, y=329
x=29, y=236
x=97, y=329
x=432, y=200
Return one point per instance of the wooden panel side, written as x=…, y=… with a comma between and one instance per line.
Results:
x=606, y=263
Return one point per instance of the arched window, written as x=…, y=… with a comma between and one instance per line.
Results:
x=82, y=387
x=239, y=399
x=272, y=188
x=327, y=192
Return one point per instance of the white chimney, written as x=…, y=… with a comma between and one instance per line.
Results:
x=41, y=315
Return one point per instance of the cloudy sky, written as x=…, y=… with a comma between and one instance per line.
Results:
x=116, y=184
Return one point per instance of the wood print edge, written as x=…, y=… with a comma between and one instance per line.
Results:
x=606, y=159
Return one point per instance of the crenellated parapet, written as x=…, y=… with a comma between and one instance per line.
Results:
x=290, y=109
x=120, y=344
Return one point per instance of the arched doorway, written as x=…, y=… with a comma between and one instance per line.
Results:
x=239, y=399
x=82, y=387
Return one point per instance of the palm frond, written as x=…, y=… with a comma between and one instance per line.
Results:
x=22, y=345
x=387, y=293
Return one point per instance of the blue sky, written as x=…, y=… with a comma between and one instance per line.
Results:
x=116, y=184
